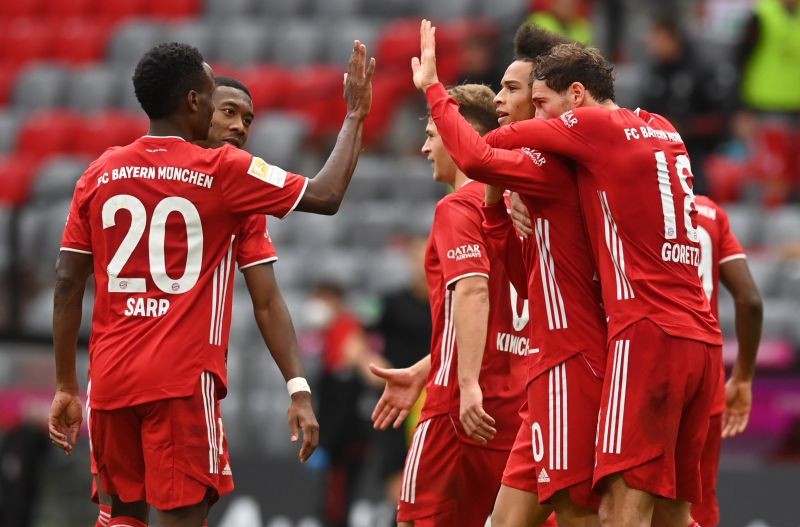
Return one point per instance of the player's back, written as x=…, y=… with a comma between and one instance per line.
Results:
x=159, y=217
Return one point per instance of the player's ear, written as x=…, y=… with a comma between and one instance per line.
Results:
x=577, y=94
x=193, y=100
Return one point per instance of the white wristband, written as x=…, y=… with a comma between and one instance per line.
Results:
x=297, y=384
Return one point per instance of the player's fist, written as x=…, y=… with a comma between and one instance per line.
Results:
x=358, y=81
x=423, y=68
x=64, y=423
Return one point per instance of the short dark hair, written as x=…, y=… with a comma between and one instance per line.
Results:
x=230, y=82
x=476, y=104
x=532, y=40
x=568, y=63
x=164, y=75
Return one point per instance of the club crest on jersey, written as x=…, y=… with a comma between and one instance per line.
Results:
x=569, y=119
x=536, y=156
x=463, y=252
x=262, y=170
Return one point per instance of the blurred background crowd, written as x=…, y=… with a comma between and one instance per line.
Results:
x=725, y=72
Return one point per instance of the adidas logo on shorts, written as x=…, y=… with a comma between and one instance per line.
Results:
x=227, y=470
x=543, y=477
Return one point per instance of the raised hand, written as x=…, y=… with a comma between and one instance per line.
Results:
x=423, y=67
x=301, y=416
x=358, y=81
x=403, y=387
x=64, y=423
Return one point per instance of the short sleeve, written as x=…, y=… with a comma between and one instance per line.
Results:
x=77, y=232
x=729, y=246
x=250, y=185
x=255, y=246
x=459, y=240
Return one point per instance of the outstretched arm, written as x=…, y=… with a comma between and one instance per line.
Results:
x=277, y=330
x=403, y=388
x=325, y=192
x=66, y=412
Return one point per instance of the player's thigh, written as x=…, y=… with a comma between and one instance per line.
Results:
x=519, y=508
x=479, y=482
x=520, y=470
x=429, y=488
x=564, y=404
x=118, y=453
x=183, y=445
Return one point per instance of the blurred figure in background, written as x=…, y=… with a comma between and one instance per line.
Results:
x=345, y=373
x=768, y=57
x=405, y=325
x=679, y=86
x=567, y=18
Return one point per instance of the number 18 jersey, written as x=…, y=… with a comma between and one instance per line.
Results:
x=160, y=217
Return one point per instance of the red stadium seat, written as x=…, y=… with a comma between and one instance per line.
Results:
x=99, y=132
x=388, y=93
x=8, y=78
x=268, y=85
x=81, y=40
x=49, y=132
x=117, y=10
x=66, y=9
x=17, y=174
x=26, y=40
x=398, y=42
x=317, y=96
x=173, y=9
x=21, y=8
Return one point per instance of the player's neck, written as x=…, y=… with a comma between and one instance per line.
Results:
x=166, y=127
x=460, y=180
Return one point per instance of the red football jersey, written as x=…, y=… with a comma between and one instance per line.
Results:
x=160, y=217
x=718, y=245
x=253, y=245
x=635, y=186
x=565, y=296
x=457, y=249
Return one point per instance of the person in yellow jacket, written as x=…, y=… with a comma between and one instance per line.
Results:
x=565, y=18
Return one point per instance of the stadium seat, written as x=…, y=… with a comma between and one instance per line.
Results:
x=378, y=222
x=113, y=128
x=267, y=84
x=220, y=9
x=56, y=178
x=8, y=78
x=282, y=8
x=16, y=178
x=10, y=9
x=49, y=132
x=296, y=42
x=66, y=9
x=336, y=8
x=26, y=40
x=782, y=225
x=9, y=123
x=242, y=42
x=391, y=9
x=80, y=41
x=132, y=40
x=172, y=10
x=291, y=265
x=317, y=96
x=39, y=86
x=92, y=89
x=343, y=267
x=278, y=137
x=764, y=270
x=388, y=93
x=119, y=10
x=317, y=230
x=387, y=269
x=338, y=38
x=398, y=41
x=507, y=13
x=197, y=34
x=370, y=179
x=443, y=10
x=746, y=222
x=281, y=232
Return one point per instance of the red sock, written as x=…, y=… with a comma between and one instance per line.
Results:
x=103, y=516
x=126, y=521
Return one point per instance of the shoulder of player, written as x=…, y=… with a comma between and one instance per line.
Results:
x=708, y=208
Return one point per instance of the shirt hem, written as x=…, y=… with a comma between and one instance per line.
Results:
x=465, y=275
x=299, y=197
x=73, y=250
x=257, y=262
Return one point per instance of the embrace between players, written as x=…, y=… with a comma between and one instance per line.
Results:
x=574, y=369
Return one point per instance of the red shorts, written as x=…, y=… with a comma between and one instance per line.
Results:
x=564, y=403
x=520, y=471
x=168, y=452
x=446, y=481
x=657, y=399
x=706, y=513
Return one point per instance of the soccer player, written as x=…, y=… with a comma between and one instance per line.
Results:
x=162, y=308
x=643, y=237
x=565, y=377
x=723, y=260
x=475, y=371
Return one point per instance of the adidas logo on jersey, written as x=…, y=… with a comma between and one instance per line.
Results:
x=227, y=470
x=543, y=477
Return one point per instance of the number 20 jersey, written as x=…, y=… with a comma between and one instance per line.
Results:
x=160, y=217
x=635, y=186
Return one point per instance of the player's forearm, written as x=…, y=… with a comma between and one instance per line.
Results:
x=749, y=318
x=326, y=190
x=277, y=330
x=67, y=311
x=504, y=245
x=422, y=367
x=471, y=316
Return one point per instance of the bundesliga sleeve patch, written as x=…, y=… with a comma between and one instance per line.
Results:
x=262, y=170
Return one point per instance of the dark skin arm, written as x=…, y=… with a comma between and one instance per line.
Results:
x=735, y=276
x=325, y=192
x=66, y=412
x=277, y=329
